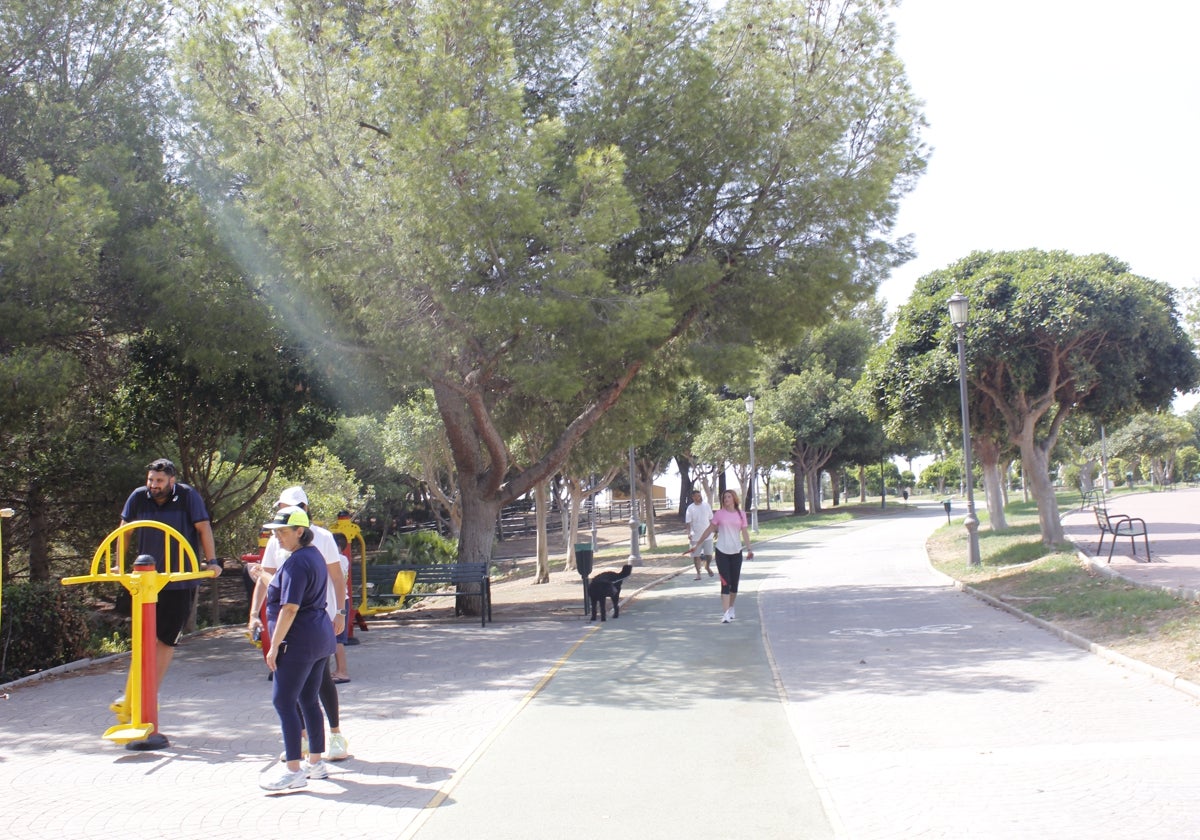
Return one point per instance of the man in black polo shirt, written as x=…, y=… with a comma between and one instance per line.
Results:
x=165, y=500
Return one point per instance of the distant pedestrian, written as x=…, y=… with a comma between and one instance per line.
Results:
x=302, y=640
x=166, y=500
x=733, y=536
x=697, y=517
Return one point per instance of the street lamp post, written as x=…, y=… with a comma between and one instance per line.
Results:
x=635, y=552
x=751, y=499
x=5, y=513
x=958, y=316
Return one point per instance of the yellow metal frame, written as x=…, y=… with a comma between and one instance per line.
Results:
x=109, y=566
x=353, y=533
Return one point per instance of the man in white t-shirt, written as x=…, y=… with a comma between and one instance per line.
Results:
x=274, y=556
x=697, y=517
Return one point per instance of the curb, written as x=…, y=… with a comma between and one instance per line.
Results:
x=1105, y=569
x=77, y=665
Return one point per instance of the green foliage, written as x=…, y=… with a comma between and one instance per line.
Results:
x=114, y=643
x=1116, y=471
x=1154, y=439
x=43, y=625
x=171, y=402
x=1081, y=333
x=1069, y=476
x=330, y=486
x=1188, y=463
x=942, y=473
x=418, y=547
x=529, y=206
x=83, y=102
x=891, y=474
x=1050, y=334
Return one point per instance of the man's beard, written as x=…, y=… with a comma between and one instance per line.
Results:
x=161, y=494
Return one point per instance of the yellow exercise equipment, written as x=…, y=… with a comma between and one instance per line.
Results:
x=144, y=582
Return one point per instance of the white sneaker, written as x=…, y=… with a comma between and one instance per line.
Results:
x=725, y=619
x=338, y=748
x=283, y=779
x=303, y=751
x=732, y=614
x=315, y=771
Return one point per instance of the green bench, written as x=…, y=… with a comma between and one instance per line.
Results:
x=389, y=584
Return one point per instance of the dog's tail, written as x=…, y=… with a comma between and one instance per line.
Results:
x=626, y=571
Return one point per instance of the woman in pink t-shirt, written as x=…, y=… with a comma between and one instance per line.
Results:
x=729, y=524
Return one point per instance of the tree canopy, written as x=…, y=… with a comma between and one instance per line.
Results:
x=534, y=199
x=1050, y=335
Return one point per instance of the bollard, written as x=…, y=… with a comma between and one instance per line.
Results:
x=946, y=505
x=584, y=557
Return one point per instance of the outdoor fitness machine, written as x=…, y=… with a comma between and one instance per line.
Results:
x=354, y=539
x=144, y=582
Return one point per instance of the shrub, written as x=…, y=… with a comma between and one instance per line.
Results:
x=1071, y=476
x=1116, y=471
x=418, y=547
x=43, y=625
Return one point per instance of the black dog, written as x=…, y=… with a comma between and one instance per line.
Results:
x=607, y=585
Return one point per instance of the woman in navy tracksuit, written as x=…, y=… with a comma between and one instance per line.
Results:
x=302, y=641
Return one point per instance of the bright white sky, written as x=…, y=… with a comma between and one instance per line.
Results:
x=1055, y=124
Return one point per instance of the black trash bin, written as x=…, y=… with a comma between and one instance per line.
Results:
x=583, y=565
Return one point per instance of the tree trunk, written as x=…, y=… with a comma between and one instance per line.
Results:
x=814, y=490
x=575, y=497
x=685, y=483
x=798, y=479
x=540, y=503
x=994, y=494
x=39, y=534
x=989, y=465
x=1035, y=464
x=647, y=492
x=475, y=544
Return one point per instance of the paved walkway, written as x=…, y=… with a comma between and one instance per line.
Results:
x=857, y=695
x=1173, y=521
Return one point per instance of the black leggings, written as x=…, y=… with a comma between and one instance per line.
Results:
x=729, y=567
x=329, y=697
